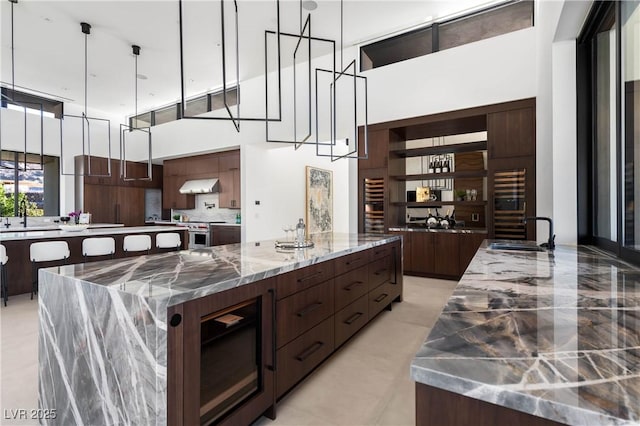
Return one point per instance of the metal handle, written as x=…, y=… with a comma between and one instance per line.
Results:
x=381, y=298
x=379, y=271
x=309, y=351
x=395, y=264
x=310, y=277
x=358, y=259
x=379, y=251
x=274, y=364
x=353, y=285
x=308, y=309
x=353, y=318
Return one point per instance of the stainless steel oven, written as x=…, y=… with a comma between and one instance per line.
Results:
x=199, y=235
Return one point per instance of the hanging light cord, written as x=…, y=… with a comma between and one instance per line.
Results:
x=85, y=74
x=341, y=34
x=135, y=101
x=13, y=61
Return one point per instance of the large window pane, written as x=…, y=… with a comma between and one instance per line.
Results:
x=605, y=138
x=631, y=116
x=166, y=115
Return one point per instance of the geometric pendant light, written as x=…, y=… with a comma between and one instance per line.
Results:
x=127, y=130
x=86, y=124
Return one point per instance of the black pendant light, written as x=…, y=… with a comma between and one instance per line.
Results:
x=6, y=99
x=86, y=122
x=127, y=129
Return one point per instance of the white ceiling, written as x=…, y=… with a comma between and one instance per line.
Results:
x=49, y=44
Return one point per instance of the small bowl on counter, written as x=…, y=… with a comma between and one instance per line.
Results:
x=73, y=228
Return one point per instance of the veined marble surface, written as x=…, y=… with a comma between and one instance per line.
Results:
x=439, y=230
x=553, y=334
x=103, y=325
x=92, y=231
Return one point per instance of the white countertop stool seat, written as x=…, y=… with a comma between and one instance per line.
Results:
x=168, y=240
x=46, y=251
x=99, y=246
x=3, y=273
x=133, y=243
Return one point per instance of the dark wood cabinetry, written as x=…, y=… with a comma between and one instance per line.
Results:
x=302, y=316
x=111, y=199
x=224, y=166
x=221, y=235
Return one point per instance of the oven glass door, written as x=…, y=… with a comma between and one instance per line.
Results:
x=198, y=239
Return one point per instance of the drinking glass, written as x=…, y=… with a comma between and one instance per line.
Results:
x=285, y=228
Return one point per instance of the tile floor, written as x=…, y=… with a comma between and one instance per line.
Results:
x=365, y=383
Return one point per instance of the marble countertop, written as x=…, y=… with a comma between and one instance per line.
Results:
x=175, y=277
x=90, y=232
x=450, y=231
x=553, y=334
x=54, y=227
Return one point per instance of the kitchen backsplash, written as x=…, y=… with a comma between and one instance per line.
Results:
x=205, y=212
x=152, y=203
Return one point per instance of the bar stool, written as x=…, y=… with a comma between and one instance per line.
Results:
x=136, y=243
x=3, y=273
x=46, y=251
x=168, y=240
x=102, y=246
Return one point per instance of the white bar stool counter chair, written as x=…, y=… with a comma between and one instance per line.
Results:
x=168, y=240
x=102, y=246
x=46, y=251
x=133, y=243
x=3, y=273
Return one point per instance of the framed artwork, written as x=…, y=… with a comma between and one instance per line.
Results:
x=319, y=200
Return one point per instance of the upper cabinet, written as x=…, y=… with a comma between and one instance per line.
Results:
x=223, y=165
x=512, y=133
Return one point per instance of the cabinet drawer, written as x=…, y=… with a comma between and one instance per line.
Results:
x=298, y=313
x=380, y=252
x=299, y=357
x=379, y=272
x=303, y=278
x=351, y=319
x=350, y=286
x=351, y=261
x=380, y=298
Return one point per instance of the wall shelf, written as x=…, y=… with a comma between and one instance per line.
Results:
x=432, y=204
x=441, y=149
x=433, y=176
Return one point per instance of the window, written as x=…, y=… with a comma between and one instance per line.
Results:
x=609, y=128
x=497, y=20
x=18, y=101
x=38, y=186
x=196, y=106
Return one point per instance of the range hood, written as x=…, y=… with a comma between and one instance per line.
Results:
x=199, y=186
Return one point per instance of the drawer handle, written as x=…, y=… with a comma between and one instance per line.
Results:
x=375, y=253
x=379, y=271
x=310, y=277
x=309, y=309
x=309, y=351
x=353, y=285
x=356, y=260
x=353, y=318
x=381, y=298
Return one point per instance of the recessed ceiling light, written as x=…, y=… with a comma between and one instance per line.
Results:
x=141, y=76
x=93, y=75
x=151, y=94
x=47, y=19
x=309, y=4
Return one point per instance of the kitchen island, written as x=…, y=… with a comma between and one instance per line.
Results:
x=122, y=341
x=17, y=243
x=538, y=338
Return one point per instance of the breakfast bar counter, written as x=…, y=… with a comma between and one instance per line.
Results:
x=535, y=337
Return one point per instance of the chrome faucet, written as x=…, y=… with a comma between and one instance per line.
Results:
x=23, y=212
x=550, y=244
x=6, y=223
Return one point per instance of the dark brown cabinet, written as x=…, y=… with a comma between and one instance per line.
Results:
x=512, y=133
x=171, y=196
x=114, y=204
x=422, y=253
x=230, y=189
x=221, y=235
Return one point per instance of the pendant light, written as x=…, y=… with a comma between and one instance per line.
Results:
x=343, y=74
x=127, y=129
x=86, y=122
x=5, y=99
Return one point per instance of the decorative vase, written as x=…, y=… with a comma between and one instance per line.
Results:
x=77, y=219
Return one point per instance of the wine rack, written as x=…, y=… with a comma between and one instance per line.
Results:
x=374, y=205
x=509, y=204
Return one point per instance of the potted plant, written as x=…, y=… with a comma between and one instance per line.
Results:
x=460, y=193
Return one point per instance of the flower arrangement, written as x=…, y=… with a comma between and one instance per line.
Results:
x=75, y=216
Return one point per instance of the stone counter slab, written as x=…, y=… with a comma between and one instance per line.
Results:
x=553, y=334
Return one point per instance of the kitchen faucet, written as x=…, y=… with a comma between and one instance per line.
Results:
x=550, y=244
x=23, y=212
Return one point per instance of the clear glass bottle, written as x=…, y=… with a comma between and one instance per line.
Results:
x=300, y=232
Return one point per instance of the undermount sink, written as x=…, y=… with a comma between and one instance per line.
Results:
x=515, y=246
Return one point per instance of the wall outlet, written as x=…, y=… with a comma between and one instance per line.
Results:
x=257, y=202
x=475, y=217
